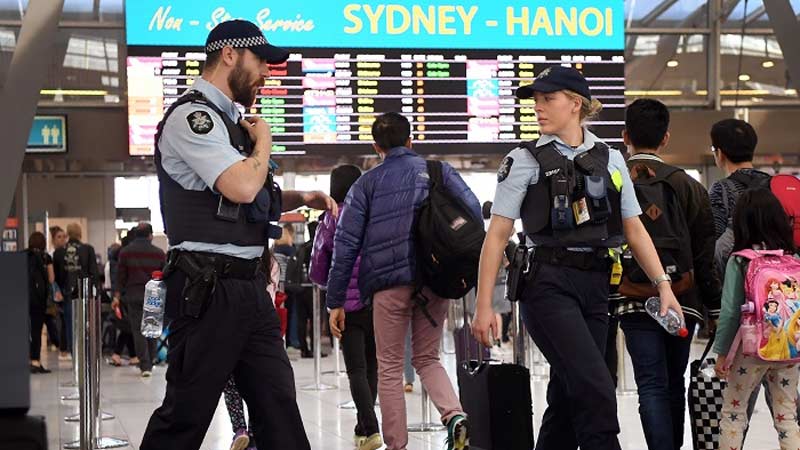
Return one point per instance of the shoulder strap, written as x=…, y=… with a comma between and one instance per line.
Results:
x=198, y=97
x=724, y=188
x=664, y=171
x=600, y=152
x=659, y=171
x=737, y=341
x=435, y=172
x=747, y=180
x=547, y=156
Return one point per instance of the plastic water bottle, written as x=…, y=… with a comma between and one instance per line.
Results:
x=155, y=293
x=672, y=322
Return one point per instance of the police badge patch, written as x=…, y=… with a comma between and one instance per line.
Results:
x=505, y=169
x=200, y=122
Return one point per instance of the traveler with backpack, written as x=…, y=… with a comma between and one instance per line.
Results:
x=73, y=261
x=358, y=336
x=733, y=144
x=576, y=201
x=40, y=265
x=378, y=224
x=678, y=218
x=754, y=320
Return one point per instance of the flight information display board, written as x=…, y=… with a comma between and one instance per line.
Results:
x=456, y=85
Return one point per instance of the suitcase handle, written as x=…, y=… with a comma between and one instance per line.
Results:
x=705, y=353
x=468, y=327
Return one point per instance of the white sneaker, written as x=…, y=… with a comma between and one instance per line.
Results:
x=64, y=357
x=147, y=374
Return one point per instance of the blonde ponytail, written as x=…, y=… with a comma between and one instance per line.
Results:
x=590, y=109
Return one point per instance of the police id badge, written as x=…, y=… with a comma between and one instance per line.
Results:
x=581, y=211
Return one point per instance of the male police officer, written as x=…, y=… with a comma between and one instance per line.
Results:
x=218, y=198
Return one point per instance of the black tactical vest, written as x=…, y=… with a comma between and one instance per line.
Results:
x=192, y=215
x=573, y=203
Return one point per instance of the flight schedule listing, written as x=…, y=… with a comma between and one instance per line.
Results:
x=458, y=100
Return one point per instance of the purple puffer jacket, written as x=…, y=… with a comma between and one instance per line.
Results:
x=321, y=262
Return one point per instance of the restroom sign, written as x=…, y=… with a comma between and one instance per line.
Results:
x=48, y=135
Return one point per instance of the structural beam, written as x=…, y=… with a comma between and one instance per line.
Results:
x=20, y=95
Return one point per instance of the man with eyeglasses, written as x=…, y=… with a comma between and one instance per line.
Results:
x=733, y=144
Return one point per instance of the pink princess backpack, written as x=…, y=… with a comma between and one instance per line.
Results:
x=769, y=328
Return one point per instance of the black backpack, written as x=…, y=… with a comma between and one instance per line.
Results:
x=297, y=268
x=665, y=221
x=448, y=241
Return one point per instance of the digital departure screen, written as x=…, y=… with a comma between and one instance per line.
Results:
x=451, y=68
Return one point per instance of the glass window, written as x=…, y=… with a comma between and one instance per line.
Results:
x=763, y=73
x=666, y=13
x=83, y=69
x=672, y=68
x=74, y=10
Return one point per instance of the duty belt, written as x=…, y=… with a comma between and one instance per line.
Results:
x=223, y=266
x=594, y=260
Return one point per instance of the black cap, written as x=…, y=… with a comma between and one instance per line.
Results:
x=244, y=34
x=557, y=78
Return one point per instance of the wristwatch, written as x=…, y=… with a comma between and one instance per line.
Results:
x=663, y=277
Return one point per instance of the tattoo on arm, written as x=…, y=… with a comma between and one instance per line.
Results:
x=256, y=163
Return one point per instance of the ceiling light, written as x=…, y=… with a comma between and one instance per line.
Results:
x=744, y=77
x=768, y=64
x=672, y=63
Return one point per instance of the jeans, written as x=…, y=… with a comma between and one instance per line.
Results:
x=66, y=330
x=145, y=347
x=304, y=311
x=612, y=358
x=358, y=347
x=659, y=363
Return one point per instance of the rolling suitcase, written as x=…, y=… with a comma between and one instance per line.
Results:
x=705, y=403
x=23, y=433
x=497, y=401
x=466, y=344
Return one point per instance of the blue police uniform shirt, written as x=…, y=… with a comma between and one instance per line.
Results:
x=521, y=170
x=195, y=160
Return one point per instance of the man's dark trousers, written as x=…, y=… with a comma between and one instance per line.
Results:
x=238, y=333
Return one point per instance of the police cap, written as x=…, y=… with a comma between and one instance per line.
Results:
x=557, y=78
x=244, y=34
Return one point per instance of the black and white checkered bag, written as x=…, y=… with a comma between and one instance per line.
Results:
x=705, y=403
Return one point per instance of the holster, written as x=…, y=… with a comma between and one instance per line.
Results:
x=201, y=283
x=518, y=269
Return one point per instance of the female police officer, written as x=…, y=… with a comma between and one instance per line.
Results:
x=576, y=200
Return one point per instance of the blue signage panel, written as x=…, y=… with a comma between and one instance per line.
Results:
x=434, y=24
x=48, y=135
